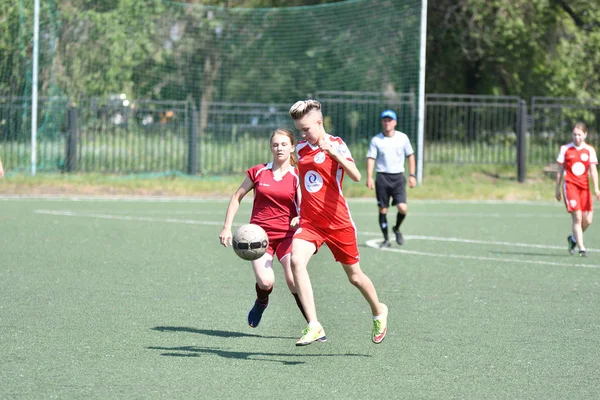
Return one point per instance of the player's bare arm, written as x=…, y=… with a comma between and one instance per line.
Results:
x=594, y=174
x=370, y=169
x=234, y=204
x=412, y=178
x=559, y=177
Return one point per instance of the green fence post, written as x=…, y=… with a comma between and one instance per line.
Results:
x=522, y=141
x=193, y=142
x=71, y=143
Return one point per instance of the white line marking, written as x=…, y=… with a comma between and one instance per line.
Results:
x=68, y=213
x=374, y=243
x=127, y=217
x=471, y=241
x=466, y=215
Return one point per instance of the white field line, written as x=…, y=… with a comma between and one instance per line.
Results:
x=374, y=243
x=466, y=215
x=472, y=241
x=371, y=243
x=127, y=217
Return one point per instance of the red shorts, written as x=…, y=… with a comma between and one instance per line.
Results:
x=282, y=247
x=341, y=242
x=577, y=199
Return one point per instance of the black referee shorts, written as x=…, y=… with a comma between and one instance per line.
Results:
x=390, y=186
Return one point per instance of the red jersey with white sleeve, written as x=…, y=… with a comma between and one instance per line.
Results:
x=274, y=200
x=576, y=162
x=323, y=204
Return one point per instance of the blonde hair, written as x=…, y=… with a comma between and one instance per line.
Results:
x=290, y=135
x=303, y=107
x=581, y=126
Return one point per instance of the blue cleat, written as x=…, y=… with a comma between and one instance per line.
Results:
x=255, y=314
x=572, y=244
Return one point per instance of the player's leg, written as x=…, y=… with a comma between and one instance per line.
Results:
x=302, y=251
x=265, y=278
x=399, y=199
x=344, y=247
x=576, y=218
x=379, y=310
x=383, y=202
x=572, y=203
x=284, y=251
x=587, y=215
x=587, y=219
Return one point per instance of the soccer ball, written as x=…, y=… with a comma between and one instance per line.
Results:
x=250, y=242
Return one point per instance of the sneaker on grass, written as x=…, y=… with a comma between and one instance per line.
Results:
x=312, y=334
x=571, y=245
x=399, y=237
x=255, y=314
x=380, y=326
x=385, y=244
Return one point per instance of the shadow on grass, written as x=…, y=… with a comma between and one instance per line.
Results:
x=213, y=332
x=195, y=351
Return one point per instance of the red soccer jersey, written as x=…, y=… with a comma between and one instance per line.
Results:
x=274, y=201
x=576, y=162
x=323, y=204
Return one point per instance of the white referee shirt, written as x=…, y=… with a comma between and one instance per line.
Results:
x=390, y=153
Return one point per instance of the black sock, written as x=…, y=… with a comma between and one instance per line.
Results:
x=383, y=225
x=399, y=218
x=262, y=295
x=299, y=304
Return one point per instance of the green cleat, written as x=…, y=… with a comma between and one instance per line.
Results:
x=380, y=326
x=312, y=334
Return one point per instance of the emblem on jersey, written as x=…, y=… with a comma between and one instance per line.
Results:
x=573, y=203
x=584, y=157
x=578, y=169
x=313, y=182
x=319, y=158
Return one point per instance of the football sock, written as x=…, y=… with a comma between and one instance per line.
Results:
x=299, y=303
x=399, y=218
x=383, y=225
x=262, y=295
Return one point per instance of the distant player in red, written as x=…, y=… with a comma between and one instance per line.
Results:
x=276, y=198
x=577, y=161
x=323, y=160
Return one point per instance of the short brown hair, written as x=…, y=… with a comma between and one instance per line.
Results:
x=303, y=107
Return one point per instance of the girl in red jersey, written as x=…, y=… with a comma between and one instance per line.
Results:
x=325, y=217
x=576, y=161
x=276, y=196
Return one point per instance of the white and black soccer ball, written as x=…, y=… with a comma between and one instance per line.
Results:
x=250, y=242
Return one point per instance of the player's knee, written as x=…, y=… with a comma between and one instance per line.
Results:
x=402, y=208
x=355, y=279
x=265, y=283
x=297, y=262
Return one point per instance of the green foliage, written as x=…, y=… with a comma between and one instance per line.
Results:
x=514, y=47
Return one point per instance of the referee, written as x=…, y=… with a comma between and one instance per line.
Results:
x=386, y=155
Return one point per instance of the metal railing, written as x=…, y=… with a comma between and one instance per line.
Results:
x=110, y=135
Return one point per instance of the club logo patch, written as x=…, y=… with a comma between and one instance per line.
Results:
x=578, y=169
x=584, y=157
x=313, y=182
x=319, y=158
x=573, y=203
